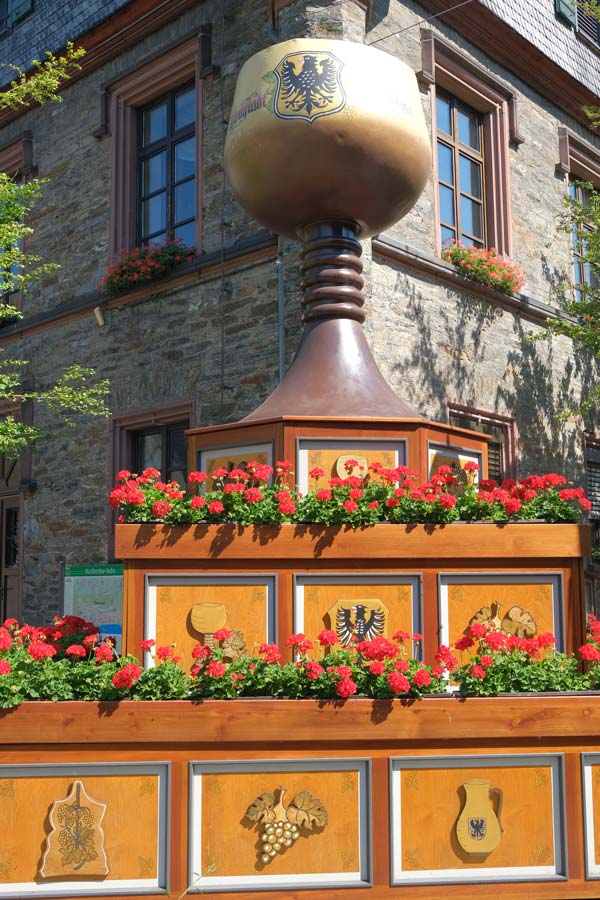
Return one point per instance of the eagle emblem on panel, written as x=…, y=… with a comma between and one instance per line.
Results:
x=309, y=86
x=358, y=622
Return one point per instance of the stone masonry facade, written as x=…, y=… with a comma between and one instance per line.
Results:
x=211, y=339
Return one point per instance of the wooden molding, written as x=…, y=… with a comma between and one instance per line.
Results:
x=439, y=56
x=577, y=157
x=384, y=542
x=441, y=720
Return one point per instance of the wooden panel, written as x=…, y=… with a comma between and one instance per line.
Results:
x=230, y=839
x=391, y=603
x=571, y=719
x=381, y=542
x=434, y=799
x=182, y=608
x=130, y=826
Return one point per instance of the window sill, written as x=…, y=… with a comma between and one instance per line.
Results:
x=417, y=260
x=254, y=250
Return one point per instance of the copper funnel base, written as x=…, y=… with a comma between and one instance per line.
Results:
x=333, y=373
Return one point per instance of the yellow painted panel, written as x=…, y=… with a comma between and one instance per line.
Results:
x=432, y=801
x=231, y=843
x=396, y=603
x=244, y=609
x=130, y=824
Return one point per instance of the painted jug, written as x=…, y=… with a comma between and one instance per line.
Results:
x=478, y=827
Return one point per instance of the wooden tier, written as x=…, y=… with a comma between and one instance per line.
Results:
x=269, y=582
x=163, y=791
x=328, y=442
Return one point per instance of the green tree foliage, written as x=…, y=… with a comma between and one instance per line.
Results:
x=77, y=391
x=581, y=302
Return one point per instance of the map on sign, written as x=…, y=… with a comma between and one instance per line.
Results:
x=96, y=593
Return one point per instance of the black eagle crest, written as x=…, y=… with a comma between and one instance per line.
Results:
x=310, y=88
x=364, y=629
x=477, y=829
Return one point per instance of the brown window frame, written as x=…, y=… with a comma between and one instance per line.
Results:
x=578, y=161
x=444, y=66
x=166, y=145
x=168, y=72
x=495, y=420
x=124, y=426
x=459, y=149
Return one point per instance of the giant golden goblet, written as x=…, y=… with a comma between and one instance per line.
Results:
x=327, y=142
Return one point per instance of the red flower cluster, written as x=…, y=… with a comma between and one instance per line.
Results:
x=136, y=267
x=126, y=677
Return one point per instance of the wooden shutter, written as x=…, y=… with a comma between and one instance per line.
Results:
x=592, y=473
x=566, y=9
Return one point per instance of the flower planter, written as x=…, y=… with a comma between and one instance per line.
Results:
x=382, y=541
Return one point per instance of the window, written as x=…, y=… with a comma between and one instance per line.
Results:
x=574, y=13
x=163, y=448
x=154, y=116
x=501, y=429
x=476, y=118
x=583, y=272
x=579, y=161
x=460, y=172
x=167, y=168
x=154, y=438
x=12, y=12
x=592, y=483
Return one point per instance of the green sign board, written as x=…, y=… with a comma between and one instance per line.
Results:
x=95, y=593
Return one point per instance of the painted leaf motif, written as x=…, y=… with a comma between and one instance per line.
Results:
x=307, y=811
x=262, y=808
x=519, y=622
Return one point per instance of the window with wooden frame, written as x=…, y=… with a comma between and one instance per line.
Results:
x=16, y=161
x=153, y=438
x=584, y=273
x=501, y=429
x=579, y=162
x=475, y=119
x=460, y=169
x=155, y=113
x=167, y=168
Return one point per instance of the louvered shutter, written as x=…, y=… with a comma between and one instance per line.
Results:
x=495, y=461
x=566, y=9
x=589, y=26
x=20, y=9
x=592, y=472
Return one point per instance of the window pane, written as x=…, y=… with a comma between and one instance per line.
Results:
x=177, y=453
x=11, y=537
x=448, y=236
x=185, y=109
x=446, y=204
x=443, y=113
x=154, y=173
x=445, y=163
x=154, y=214
x=150, y=450
x=185, y=159
x=471, y=217
x=155, y=124
x=187, y=234
x=468, y=127
x=156, y=239
x=185, y=201
x=470, y=176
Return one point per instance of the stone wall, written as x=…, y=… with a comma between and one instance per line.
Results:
x=433, y=342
